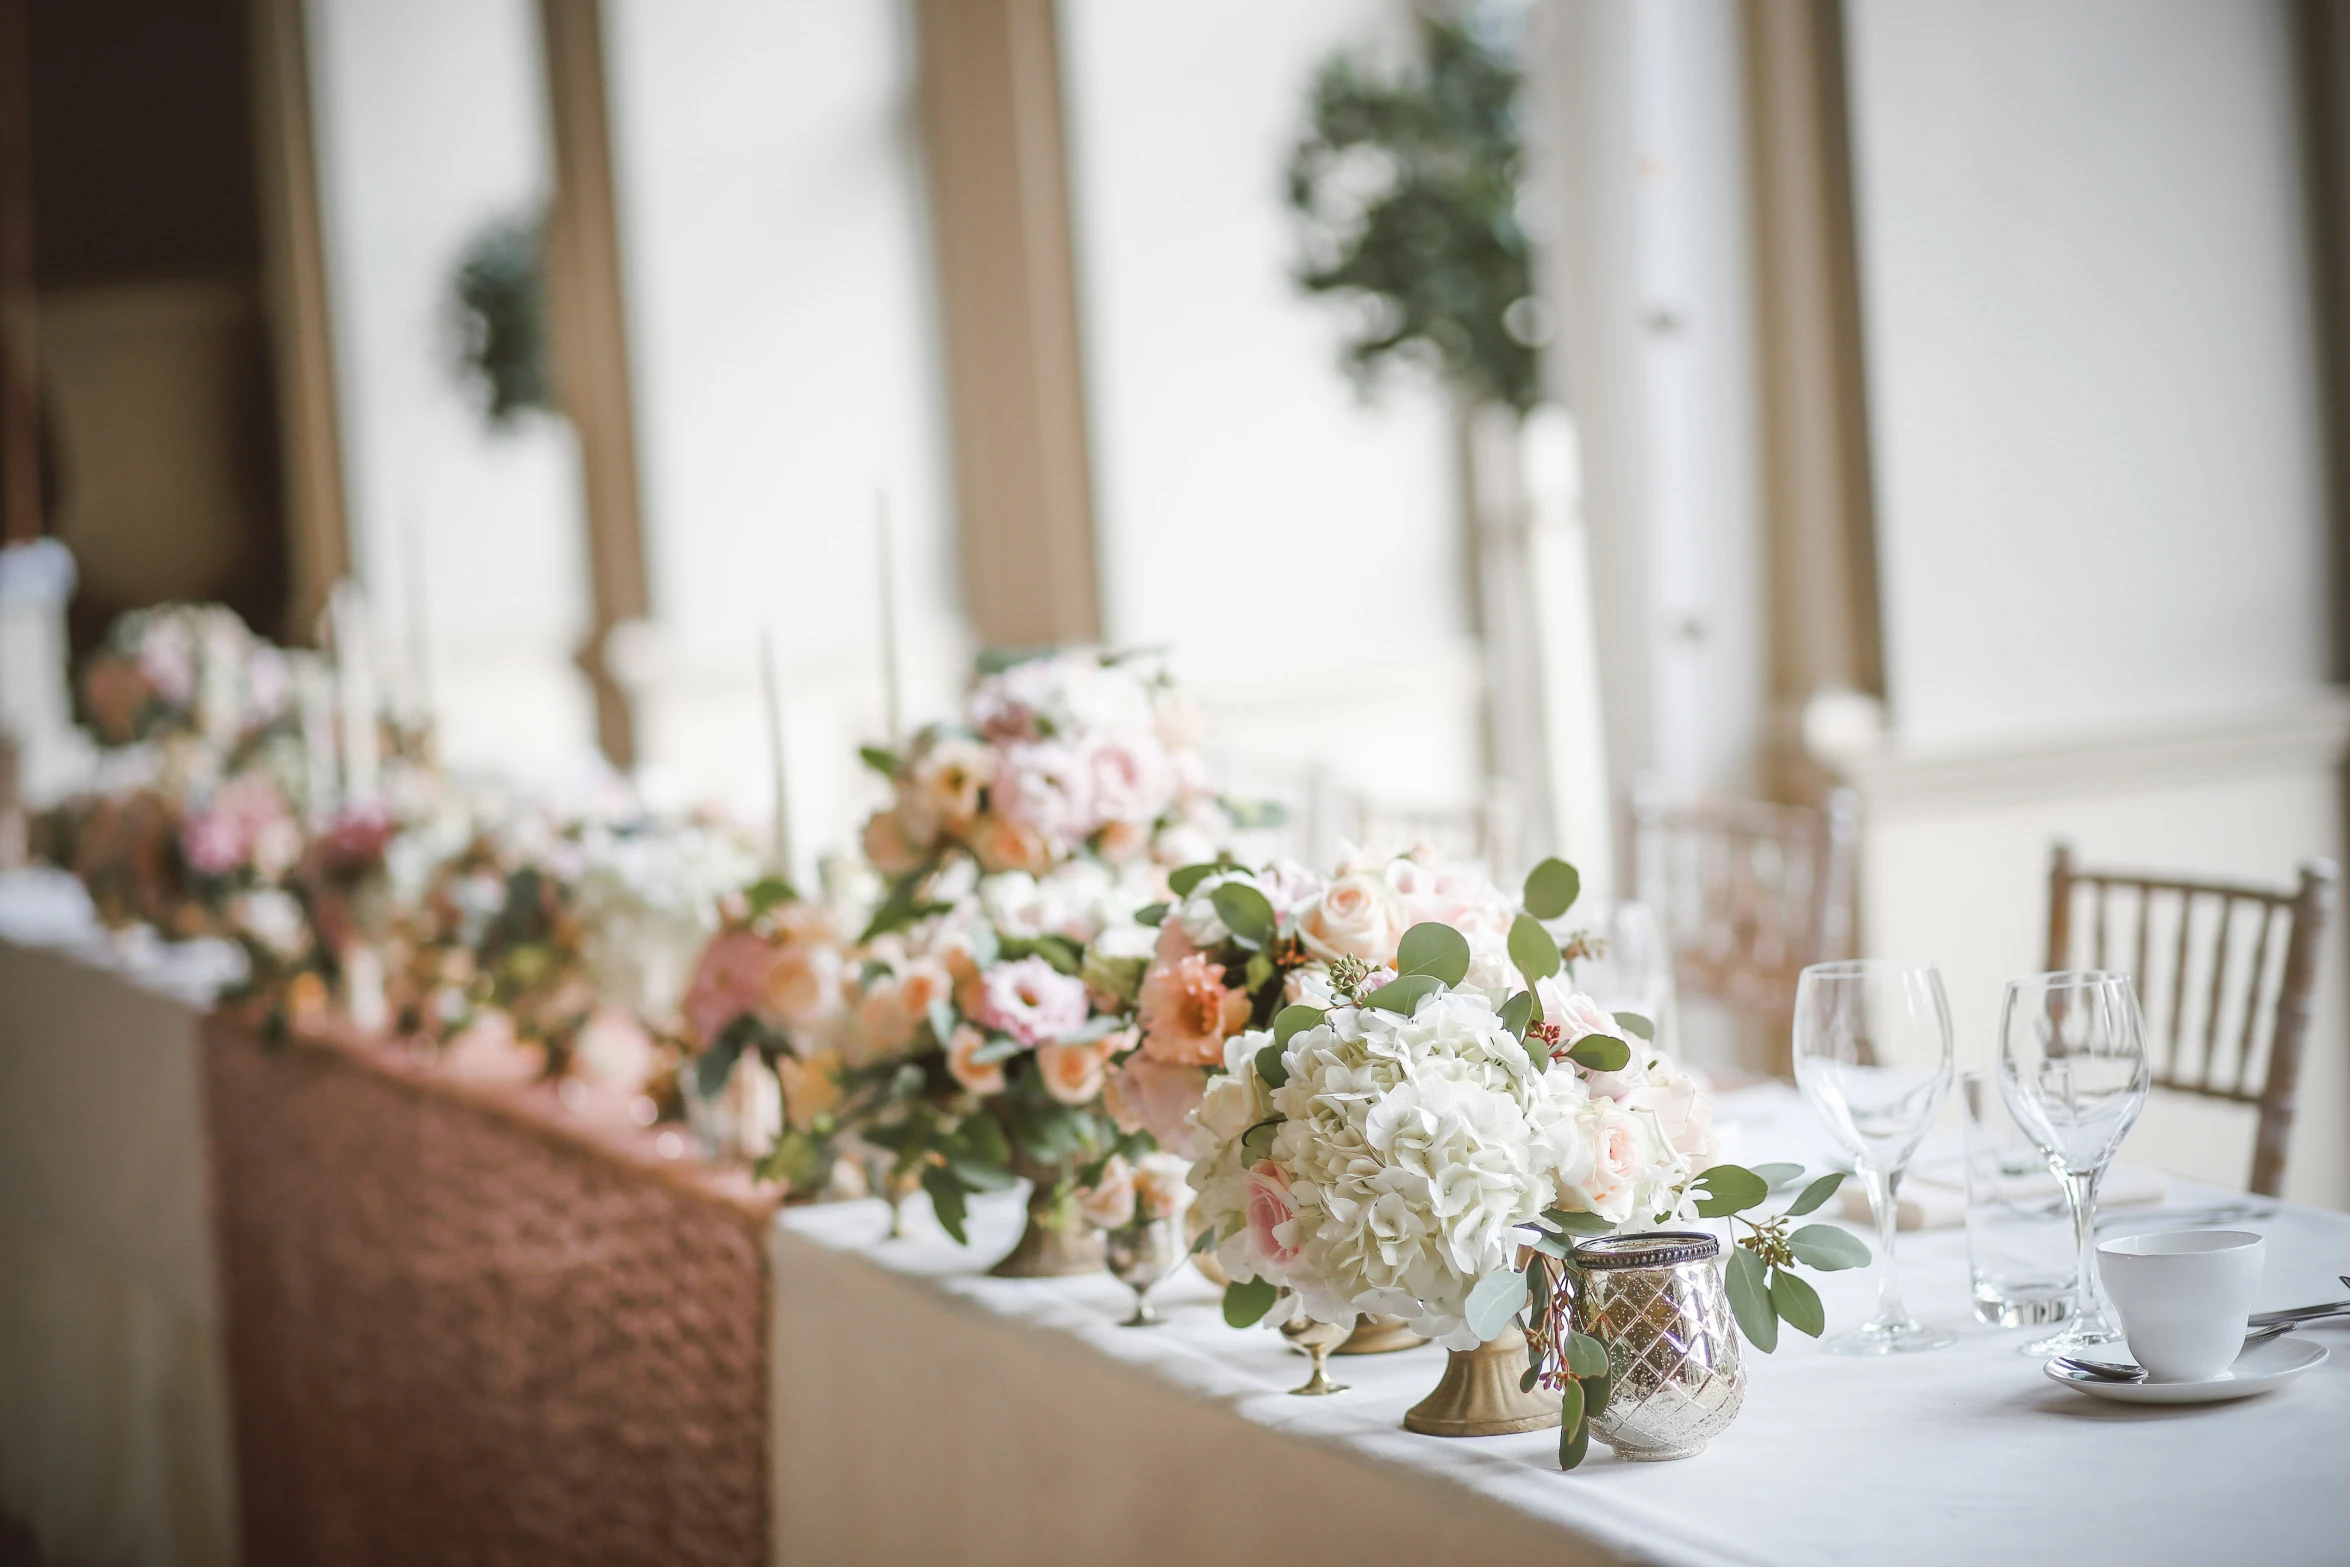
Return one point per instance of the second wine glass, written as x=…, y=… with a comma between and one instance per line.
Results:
x=1873, y=1055
x=2072, y=1068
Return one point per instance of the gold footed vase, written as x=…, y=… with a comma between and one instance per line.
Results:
x=1479, y=1394
x=1056, y=1243
x=1378, y=1334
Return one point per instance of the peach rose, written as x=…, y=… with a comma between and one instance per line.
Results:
x=1357, y=916
x=1073, y=1073
x=982, y=1078
x=1143, y=1095
x=1188, y=1012
x=890, y=847
x=1108, y=1204
x=802, y=986
x=942, y=788
x=1003, y=845
x=810, y=1088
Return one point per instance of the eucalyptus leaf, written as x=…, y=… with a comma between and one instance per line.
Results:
x=1269, y=1067
x=1586, y=1356
x=1595, y=1395
x=1000, y=1047
x=1245, y=911
x=1528, y=1378
x=767, y=892
x=1295, y=1019
x=1600, y=1053
x=1403, y=996
x=1247, y=1300
x=1776, y=1175
x=1493, y=1300
x=1205, y=1240
x=1816, y=1193
x=1533, y=950
x=1180, y=882
x=983, y=1140
x=1578, y=1223
x=1257, y=1142
x=1552, y=888
x=942, y=1022
x=1150, y=914
x=1729, y=1188
x=1574, y=1428
x=1636, y=1025
x=1435, y=949
x=1827, y=1248
x=713, y=1064
x=1750, y=1300
x=1517, y=1013
x=1798, y=1303
x=946, y=1200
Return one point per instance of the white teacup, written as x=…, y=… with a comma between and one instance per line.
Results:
x=2183, y=1298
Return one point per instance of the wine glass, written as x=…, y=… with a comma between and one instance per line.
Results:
x=1872, y=1054
x=2072, y=1068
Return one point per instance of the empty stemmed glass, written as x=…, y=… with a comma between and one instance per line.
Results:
x=1872, y=1054
x=2072, y=1068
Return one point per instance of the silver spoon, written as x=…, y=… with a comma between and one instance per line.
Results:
x=2123, y=1371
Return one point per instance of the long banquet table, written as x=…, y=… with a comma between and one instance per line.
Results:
x=929, y=1413
x=464, y=1322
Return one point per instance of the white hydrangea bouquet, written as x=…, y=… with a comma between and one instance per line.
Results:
x=1415, y=1144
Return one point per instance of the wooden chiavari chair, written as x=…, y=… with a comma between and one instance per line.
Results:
x=1749, y=894
x=2248, y=1001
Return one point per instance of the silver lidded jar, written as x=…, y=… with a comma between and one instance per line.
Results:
x=1658, y=1303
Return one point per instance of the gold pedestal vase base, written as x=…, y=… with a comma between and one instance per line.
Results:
x=1045, y=1252
x=1479, y=1395
x=1375, y=1334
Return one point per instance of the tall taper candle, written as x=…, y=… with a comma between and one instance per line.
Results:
x=355, y=686
x=314, y=690
x=893, y=659
x=771, y=684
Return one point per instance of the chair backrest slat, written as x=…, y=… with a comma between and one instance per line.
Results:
x=2267, y=1078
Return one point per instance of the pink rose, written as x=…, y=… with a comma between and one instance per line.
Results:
x=979, y=1077
x=1072, y=1073
x=1188, y=1012
x=1269, y=1207
x=214, y=842
x=1130, y=778
x=727, y=982
x=1047, y=787
x=1032, y=1001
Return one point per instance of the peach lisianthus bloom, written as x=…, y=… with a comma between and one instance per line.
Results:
x=978, y=1077
x=802, y=986
x=1073, y=1073
x=1188, y=1012
x=810, y=1087
x=941, y=792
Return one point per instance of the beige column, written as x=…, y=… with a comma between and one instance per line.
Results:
x=294, y=288
x=587, y=328
x=999, y=193
x=1819, y=515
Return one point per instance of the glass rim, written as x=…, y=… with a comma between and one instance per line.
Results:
x=2074, y=979
x=1854, y=968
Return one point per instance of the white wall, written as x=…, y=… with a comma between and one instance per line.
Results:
x=781, y=333
x=2090, y=355
x=431, y=126
x=2095, y=425
x=1298, y=548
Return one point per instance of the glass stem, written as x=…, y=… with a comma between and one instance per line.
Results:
x=1883, y=1186
x=2080, y=1189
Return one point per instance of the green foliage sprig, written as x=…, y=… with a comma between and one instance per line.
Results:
x=1406, y=191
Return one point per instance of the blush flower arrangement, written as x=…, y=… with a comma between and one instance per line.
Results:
x=992, y=991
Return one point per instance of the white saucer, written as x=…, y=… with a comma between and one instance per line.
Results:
x=2260, y=1369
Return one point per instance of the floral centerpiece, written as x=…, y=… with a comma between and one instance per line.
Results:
x=1408, y=1139
x=991, y=994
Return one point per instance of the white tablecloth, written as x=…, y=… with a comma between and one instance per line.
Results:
x=114, y=1425
x=928, y=1413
